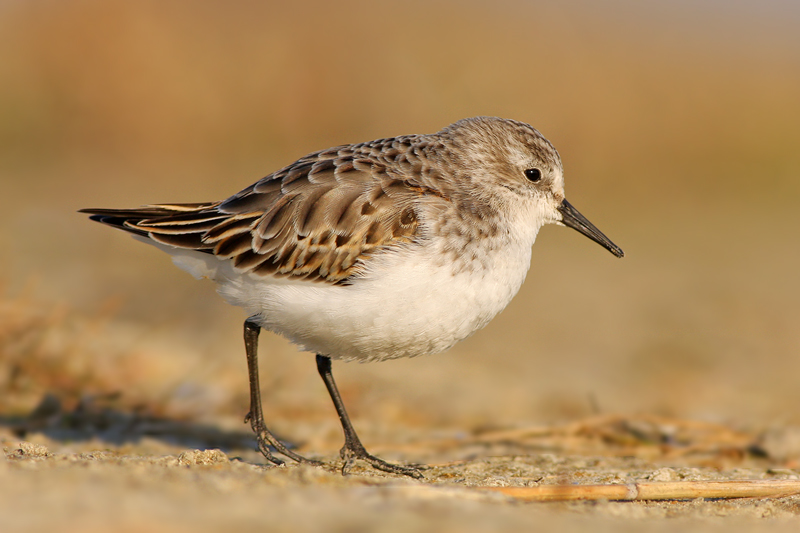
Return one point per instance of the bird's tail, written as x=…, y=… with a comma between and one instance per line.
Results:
x=180, y=225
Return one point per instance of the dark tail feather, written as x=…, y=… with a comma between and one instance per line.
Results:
x=118, y=217
x=181, y=235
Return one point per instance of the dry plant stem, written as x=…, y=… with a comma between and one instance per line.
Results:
x=353, y=449
x=678, y=490
x=255, y=416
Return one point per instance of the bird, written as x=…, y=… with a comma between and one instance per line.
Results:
x=390, y=248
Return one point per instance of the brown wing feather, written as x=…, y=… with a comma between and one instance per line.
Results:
x=311, y=220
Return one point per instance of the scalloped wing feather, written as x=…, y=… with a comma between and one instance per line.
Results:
x=312, y=220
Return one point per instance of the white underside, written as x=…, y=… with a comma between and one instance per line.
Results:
x=407, y=303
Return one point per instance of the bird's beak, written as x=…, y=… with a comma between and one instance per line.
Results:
x=572, y=218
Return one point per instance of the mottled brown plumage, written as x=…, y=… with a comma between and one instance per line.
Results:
x=319, y=218
x=310, y=220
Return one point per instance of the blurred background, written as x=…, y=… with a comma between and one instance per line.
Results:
x=678, y=124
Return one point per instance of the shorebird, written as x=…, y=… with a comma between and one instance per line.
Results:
x=390, y=248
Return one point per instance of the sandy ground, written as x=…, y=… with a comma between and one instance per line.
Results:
x=152, y=487
x=95, y=469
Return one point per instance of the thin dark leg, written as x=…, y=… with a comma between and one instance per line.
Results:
x=256, y=416
x=353, y=449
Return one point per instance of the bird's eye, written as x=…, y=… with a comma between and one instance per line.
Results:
x=533, y=174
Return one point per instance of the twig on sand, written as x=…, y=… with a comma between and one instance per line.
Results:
x=678, y=490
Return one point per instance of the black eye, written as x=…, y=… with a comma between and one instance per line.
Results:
x=533, y=174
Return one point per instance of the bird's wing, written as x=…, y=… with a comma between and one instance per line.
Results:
x=312, y=220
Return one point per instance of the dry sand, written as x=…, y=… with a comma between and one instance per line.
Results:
x=66, y=477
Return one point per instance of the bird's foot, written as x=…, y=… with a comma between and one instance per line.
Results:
x=352, y=453
x=267, y=441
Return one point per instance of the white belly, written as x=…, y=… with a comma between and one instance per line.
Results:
x=406, y=304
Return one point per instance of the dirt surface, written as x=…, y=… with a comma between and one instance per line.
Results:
x=65, y=475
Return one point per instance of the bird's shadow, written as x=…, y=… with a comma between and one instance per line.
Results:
x=91, y=420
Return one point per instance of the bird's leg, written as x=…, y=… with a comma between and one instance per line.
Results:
x=353, y=449
x=255, y=416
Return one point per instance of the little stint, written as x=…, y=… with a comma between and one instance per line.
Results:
x=390, y=248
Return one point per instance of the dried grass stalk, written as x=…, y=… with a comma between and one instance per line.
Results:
x=678, y=490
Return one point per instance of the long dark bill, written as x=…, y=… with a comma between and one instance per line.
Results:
x=571, y=217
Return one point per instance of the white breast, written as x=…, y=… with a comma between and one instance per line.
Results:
x=410, y=301
x=407, y=304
